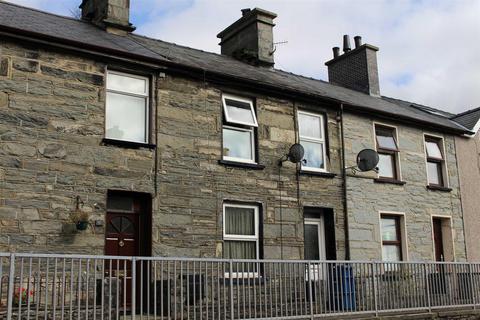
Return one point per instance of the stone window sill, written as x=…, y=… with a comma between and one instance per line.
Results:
x=253, y=166
x=390, y=181
x=329, y=175
x=439, y=188
x=127, y=144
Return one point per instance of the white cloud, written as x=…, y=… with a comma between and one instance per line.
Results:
x=428, y=49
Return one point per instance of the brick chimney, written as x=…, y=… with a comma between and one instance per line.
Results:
x=356, y=68
x=250, y=38
x=112, y=15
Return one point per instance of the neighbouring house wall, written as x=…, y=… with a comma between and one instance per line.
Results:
x=468, y=151
x=51, y=130
x=366, y=198
x=193, y=185
x=51, y=127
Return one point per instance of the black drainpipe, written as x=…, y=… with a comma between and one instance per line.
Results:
x=344, y=185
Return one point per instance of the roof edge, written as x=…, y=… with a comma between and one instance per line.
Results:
x=465, y=113
x=97, y=50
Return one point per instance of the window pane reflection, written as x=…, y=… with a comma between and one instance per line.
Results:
x=237, y=144
x=309, y=126
x=313, y=154
x=126, y=84
x=391, y=253
x=385, y=166
x=125, y=117
x=433, y=169
x=433, y=150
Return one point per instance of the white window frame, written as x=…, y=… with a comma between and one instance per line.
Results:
x=240, y=99
x=321, y=141
x=246, y=238
x=239, y=126
x=317, y=272
x=398, y=164
x=441, y=145
x=146, y=95
x=252, y=145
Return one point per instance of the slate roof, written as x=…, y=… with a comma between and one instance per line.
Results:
x=15, y=19
x=468, y=119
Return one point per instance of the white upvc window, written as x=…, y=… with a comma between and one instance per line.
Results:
x=312, y=138
x=241, y=237
x=127, y=107
x=239, y=110
x=239, y=129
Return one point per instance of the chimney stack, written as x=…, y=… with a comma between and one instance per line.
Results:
x=112, y=15
x=250, y=38
x=356, y=69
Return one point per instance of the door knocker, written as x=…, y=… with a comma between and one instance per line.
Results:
x=121, y=243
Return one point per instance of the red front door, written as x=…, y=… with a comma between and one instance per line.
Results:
x=121, y=238
x=126, y=234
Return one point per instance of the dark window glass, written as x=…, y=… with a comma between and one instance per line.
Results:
x=121, y=225
x=311, y=242
x=120, y=203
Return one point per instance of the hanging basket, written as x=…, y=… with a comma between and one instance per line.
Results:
x=82, y=225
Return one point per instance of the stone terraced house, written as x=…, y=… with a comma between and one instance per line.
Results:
x=173, y=151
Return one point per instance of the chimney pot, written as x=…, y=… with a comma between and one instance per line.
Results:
x=346, y=43
x=336, y=52
x=358, y=41
x=245, y=11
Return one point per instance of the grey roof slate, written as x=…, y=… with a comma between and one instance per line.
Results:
x=468, y=119
x=54, y=27
x=420, y=107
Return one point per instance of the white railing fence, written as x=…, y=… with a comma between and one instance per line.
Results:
x=50, y=286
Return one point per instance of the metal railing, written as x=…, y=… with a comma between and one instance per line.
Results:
x=50, y=286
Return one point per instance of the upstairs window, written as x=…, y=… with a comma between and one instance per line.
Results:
x=239, y=126
x=127, y=107
x=435, y=161
x=387, y=148
x=312, y=138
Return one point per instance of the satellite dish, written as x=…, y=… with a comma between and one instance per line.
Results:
x=296, y=152
x=367, y=160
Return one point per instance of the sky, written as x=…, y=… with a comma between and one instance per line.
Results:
x=429, y=49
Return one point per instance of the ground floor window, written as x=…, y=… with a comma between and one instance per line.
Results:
x=391, y=238
x=240, y=231
x=241, y=235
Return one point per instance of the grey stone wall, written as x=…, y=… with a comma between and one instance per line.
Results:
x=366, y=198
x=52, y=125
x=193, y=185
x=51, y=128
